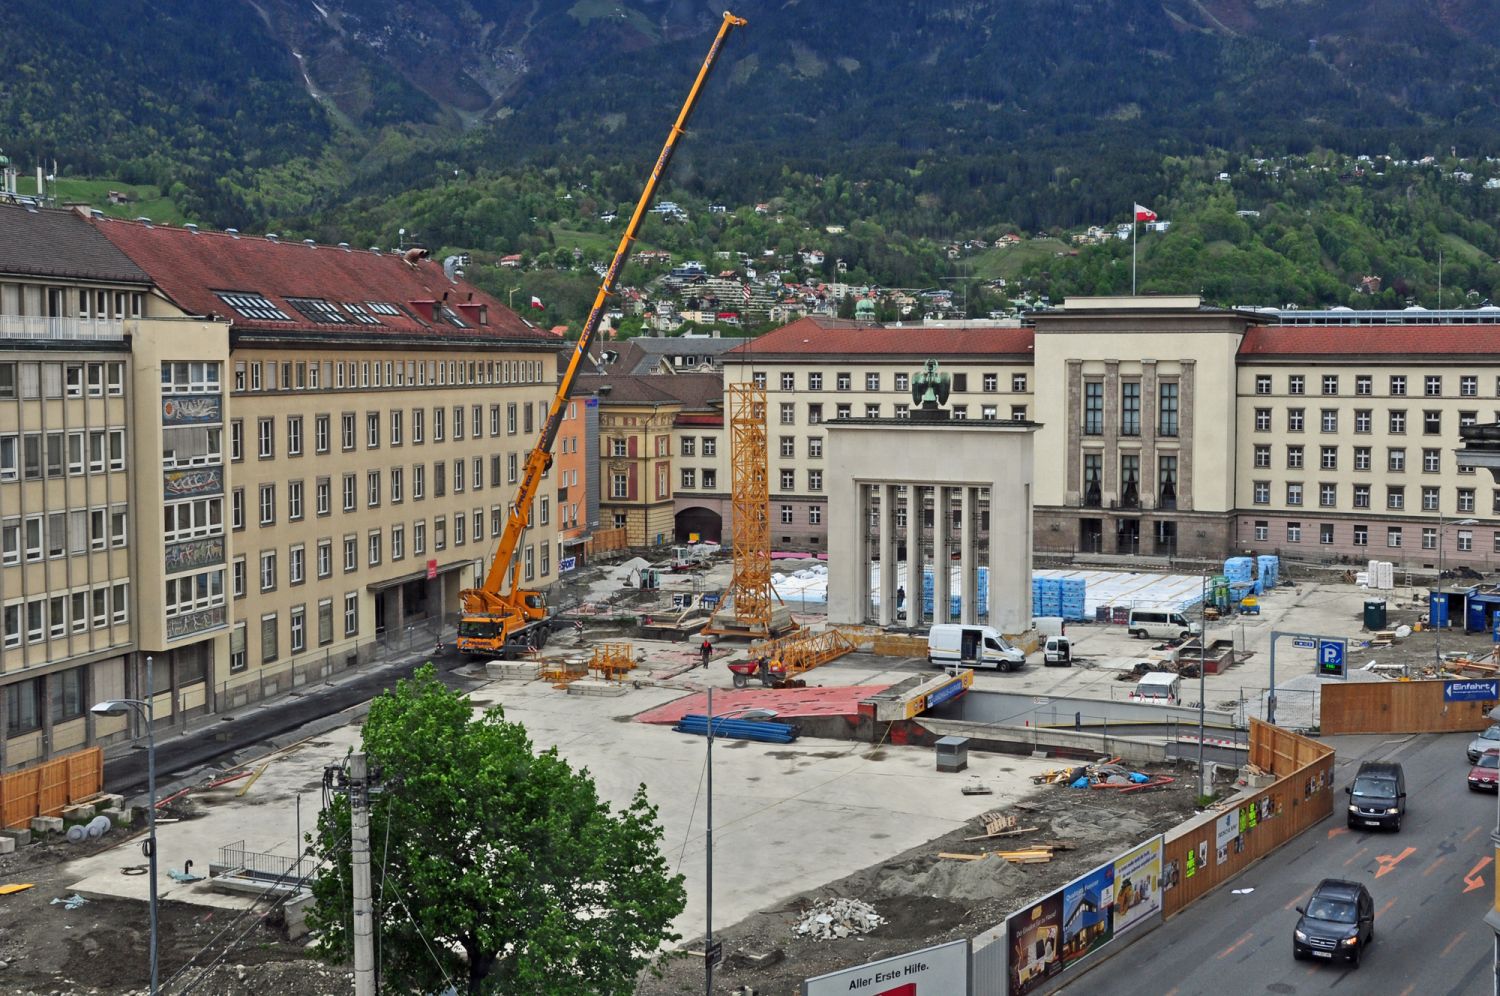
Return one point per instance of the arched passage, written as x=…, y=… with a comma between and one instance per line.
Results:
x=705, y=522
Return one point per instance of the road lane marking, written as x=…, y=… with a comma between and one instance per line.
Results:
x=1355, y=856
x=1233, y=947
x=1387, y=862
x=1433, y=867
x=1474, y=880
x=1470, y=835
x=1335, y=831
x=1385, y=909
x=1408, y=989
x=1453, y=943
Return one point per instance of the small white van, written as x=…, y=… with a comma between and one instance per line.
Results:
x=1158, y=688
x=973, y=646
x=1050, y=626
x=1157, y=624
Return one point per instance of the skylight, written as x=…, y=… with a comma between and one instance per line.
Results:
x=318, y=310
x=254, y=306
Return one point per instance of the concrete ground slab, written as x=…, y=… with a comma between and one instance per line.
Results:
x=786, y=818
x=787, y=703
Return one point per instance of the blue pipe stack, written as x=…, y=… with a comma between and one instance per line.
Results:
x=738, y=729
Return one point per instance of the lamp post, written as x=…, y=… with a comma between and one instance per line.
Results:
x=1437, y=630
x=743, y=713
x=119, y=707
x=1202, y=688
x=1493, y=917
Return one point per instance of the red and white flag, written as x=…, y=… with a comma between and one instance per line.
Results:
x=1141, y=214
x=536, y=302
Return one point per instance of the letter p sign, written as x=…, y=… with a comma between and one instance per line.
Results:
x=1331, y=658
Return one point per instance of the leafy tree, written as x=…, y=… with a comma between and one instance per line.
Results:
x=493, y=864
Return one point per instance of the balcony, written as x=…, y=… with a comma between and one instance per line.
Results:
x=79, y=329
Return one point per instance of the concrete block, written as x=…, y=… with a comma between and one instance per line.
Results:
x=761, y=959
x=594, y=687
x=109, y=801
x=512, y=670
x=47, y=824
x=21, y=836
x=7, y=845
x=119, y=817
x=80, y=813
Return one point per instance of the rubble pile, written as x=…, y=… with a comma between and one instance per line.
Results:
x=829, y=918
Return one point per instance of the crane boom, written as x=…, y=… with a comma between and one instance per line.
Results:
x=491, y=615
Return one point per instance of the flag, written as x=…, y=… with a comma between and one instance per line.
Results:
x=1141, y=214
x=536, y=302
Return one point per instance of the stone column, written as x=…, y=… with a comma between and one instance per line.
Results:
x=1073, y=430
x=941, y=554
x=1112, y=483
x=887, y=494
x=1149, y=484
x=969, y=553
x=914, y=555
x=1186, y=402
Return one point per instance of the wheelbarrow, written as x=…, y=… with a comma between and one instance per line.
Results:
x=771, y=673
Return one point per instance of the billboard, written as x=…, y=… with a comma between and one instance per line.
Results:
x=1088, y=909
x=941, y=970
x=1137, y=885
x=1034, y=938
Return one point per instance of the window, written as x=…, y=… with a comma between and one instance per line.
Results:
x=1468, y=386
x=1363, y=418
x=1431, y=498
x=710, y=478
x=758, y=380
x=1362, y=385
x=267, y=504
x=1018, y=383
x=396, y=427
x=1166, y=421
x=1432, y=386
x=1466, y=499
x=1395, y=496
x=440, y=533
x=495, y=419
x=1261, y=491
x=788, y=413
x=1130, y=408
x=1294, y=457
x=351, y=614
x=1294, y=532
x=1393, y=536
x=320, y=433
x=372, y=489
x=689, y=478
x=1296, y=384
x=294, y=435
x=1361, y=496
x=1328, y=495
x=1465, y=540
x=1395, y=460
x=477, y=417
x=814, y=417
x=1294, y=493
x=788, y=480
x=351, y=554
x=788, y=381
x=296, y=564
x=1093, y=408
x=265, y=438
x=373, y=544
x=815, y=480
x=1294, y=419
x=294, y=500
x=1328, y=458
x=1362, y=457
x=396, y=485
x=786, y=515
x=815, y=447
x=323, y=492
x=991, y=382
x=325, y=557
x=872, y=382
x=842, y=381
x=418, y=416
x=1432, y=461
x=1262, y=420
x=710, y=446
x=1398, y=422
x=619, y=486
x=187, y=520
x=1262, y=383
x=267, y=570
x=182, y=377
x=458, y=421
x=1262, y=530
x=690, y=445
x=1330, y=420
x=349, y=493
x=440, y=479
x=372, y=430
x=1432, y=423
x=1398, y=385
x=418, y=538
x=398, y=542
x=1325, y=533
x=1361, y=535
x=1330, y=384
x=346, y=430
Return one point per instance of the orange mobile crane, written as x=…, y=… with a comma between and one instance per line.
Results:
x=496, y=621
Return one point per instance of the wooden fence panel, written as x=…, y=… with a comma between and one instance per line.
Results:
x=45, y=789
x=1397, y=707
x=1194, y=861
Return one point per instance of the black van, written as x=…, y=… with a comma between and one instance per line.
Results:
x=1378, y=796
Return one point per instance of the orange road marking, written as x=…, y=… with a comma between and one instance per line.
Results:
x=1354, y=857
x=1433, y=867
x=1470, y=835
x=1291, y=902
x=1232, y=948
x=1384, y=910
x=1474, y=880
x=1408, y=989
x=1454, y=943
x=1335, y=831
x=1387, y=862
x=1171, y=992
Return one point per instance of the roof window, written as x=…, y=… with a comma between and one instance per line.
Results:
x=382, y=308
x=359, y=314
x=318, y=310
x=253, y=306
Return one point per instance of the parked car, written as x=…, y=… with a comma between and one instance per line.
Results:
x=1485, y=777
x=1488, y=740
x=1337, y=922
x=1378, y=796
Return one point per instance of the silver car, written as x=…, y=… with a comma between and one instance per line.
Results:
x=1488, y=740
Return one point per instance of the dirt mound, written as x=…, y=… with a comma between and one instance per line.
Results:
x=989, y=878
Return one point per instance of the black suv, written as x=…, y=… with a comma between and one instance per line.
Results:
x=1378, y=796
x=1337, y=922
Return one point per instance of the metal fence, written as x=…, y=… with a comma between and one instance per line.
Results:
x=277, y=868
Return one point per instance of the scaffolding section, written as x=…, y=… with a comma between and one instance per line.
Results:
x=805, y=650
x=611, y=661
x=750, y=606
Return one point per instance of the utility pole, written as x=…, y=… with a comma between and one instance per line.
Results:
x=364, y=907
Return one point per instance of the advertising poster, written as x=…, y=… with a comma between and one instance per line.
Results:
x=1035, y=939
x=1088, y=912
x=1138, y=885
x=1226, y=829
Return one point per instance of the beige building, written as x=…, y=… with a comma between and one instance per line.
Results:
x=288, y=455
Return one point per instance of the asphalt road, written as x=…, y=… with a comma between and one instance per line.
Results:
x=178, y=754
x=1432, y=884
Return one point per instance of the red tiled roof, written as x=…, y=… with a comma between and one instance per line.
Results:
x=1380, y=340
x=842, y=337
x=191, y=267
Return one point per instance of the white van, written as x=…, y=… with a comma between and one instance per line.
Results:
x=1050, y=626
x=1157, y=624
x=974, y=646
x=1158, y=688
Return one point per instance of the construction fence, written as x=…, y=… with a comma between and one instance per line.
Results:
x=1403, y=707
x=1044, y=946
x=49, y=787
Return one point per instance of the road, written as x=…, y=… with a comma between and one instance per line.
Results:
x=1432, y=883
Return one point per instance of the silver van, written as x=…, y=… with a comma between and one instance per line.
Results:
x=1158, y=624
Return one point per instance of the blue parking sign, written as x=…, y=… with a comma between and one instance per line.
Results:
x=1331, y=658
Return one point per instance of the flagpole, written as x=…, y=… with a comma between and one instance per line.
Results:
x=1133, y=224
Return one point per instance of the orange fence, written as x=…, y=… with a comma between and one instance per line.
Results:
x=1201, y=855
x=46, y=788
x=606, y=541
x=1397, y=707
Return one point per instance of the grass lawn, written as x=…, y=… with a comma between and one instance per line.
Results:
x=148, y=200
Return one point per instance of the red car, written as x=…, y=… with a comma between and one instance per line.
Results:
x=1486, y=774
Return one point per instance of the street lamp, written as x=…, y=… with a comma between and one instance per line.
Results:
x=1493, y=919
x=743, y=713
x=119, y=707
x=1437, y=629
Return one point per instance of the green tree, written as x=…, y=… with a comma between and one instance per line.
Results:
x=492, y=864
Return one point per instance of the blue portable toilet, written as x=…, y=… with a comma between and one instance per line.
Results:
x=1437, y=609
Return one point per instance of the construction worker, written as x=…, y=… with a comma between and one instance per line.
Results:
x=706, y=649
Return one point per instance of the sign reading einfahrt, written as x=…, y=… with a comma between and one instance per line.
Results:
x=1472, y=691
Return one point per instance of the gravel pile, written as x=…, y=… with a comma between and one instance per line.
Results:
x=830, y=918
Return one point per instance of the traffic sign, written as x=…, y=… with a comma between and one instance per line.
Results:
x=1305, y=642
x=1331, y=658
x=715, y=953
